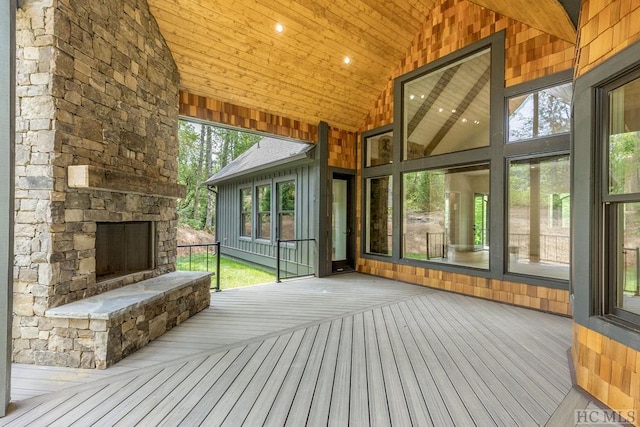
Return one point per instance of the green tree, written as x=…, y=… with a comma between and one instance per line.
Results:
x=205, y=150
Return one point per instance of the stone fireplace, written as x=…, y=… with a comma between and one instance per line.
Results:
x=124, y=248
x=96, y=159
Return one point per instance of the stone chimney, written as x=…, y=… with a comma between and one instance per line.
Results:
x=97, y=93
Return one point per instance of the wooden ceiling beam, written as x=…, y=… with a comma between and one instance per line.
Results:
x=431, y=99
x=462, y=107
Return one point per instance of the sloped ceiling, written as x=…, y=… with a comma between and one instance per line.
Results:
x=230, y=50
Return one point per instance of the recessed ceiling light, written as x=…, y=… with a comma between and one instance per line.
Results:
x=411, y=96
x=440, y=110
x=279, y=27
x=421, y=96
x=347, y=60
x=453, y=111
x=464, y=120
x=476, y=122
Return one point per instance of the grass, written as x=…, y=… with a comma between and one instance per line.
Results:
x=233, y=274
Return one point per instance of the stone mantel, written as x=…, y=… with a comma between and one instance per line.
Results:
x=94, y=177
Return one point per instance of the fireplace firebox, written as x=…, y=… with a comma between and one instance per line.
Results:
x=124, y=248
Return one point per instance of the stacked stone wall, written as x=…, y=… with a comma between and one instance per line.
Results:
x=98, y=86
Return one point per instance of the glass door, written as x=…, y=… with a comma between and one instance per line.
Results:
x=341, y=258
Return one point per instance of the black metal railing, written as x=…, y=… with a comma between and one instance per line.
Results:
x=553, y=247
x=631, y=259
x=436, y=245
x=200, y=257
x=295, y=258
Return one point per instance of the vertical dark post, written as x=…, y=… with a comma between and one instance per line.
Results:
x=217, y=266
x=278, y=261
x=637, y=271
x=207, y=255
x=427, y=242
x=190, y=251
x=323, y=225
x=7, y=155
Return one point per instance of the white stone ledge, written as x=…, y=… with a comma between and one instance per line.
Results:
x=111, y=304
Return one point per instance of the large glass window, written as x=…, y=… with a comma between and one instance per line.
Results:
x=378, y=149
x=541, y=113
x=447, y=110
x=539, y=217
x=246, y=211
x=264, y=211
x=379, y=212
x=621, y=197
x=286, y=210
x=446, y=215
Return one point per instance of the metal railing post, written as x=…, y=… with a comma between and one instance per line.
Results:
x=217, y=244
x=278, y=261
x=637, y=250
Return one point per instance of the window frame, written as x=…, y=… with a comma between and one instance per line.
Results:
x=533, y=87
x=607, y=218
x=278, y=183
x=243, y=213
x=258, y=212
x=535, y=148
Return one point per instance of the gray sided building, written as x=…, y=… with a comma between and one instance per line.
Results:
x=269, y=193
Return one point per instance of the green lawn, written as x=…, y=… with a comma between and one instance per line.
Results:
x=233, y=274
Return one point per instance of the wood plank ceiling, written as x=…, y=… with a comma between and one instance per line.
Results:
x=229, y=50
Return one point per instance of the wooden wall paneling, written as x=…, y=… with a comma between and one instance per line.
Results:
x=224, y=113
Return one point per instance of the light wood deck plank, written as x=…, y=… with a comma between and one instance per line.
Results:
x=164, y=401
x=299, y=411
x=378, y=407
x=415, y=401
x=208, y=397
x=282, y=403
x=398, y=410
x=264, y=401
x=410, y=357
x=229, y=398
x=359, y=398
x=442, y=385
x=339, y=410
x=426, y=383
x=502, y=407
x=468, y=398
x=321, y=403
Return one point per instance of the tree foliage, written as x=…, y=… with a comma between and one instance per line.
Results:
x=205, y=150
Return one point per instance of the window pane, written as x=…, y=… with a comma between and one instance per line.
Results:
x=378, y=149
x=286, y=210
x=448, y=110
x=542, y=113
x=245, y=197
x=627, y=257
x=286, y=196
x=264, y=211
x=287, y=226
x=379, y=215
x=624, y=139
x=539, y=217
x=446, y=216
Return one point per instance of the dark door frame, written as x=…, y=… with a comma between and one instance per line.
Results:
x=349, y=176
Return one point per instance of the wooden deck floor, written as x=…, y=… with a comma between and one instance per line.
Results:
x=352, y=349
